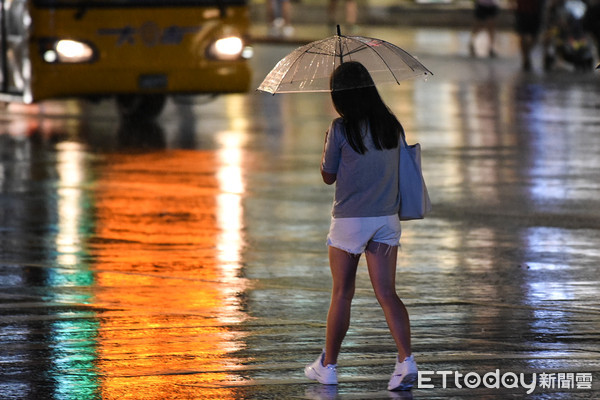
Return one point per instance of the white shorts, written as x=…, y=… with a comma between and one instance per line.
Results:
x=353, y=234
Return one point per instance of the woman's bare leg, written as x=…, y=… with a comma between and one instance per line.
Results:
x=343, y=270
x=381, y=261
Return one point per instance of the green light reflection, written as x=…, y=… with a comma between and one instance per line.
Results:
x=74, y=334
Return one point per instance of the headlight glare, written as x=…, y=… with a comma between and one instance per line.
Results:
x=73, y=51
x=229, y=48
x=68, y=51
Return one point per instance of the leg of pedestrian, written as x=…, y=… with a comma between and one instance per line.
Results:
x=343, y=270
x=381, y=261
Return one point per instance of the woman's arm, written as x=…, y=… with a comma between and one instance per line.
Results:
x=328, y=177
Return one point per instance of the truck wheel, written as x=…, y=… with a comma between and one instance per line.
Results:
x=146, y=106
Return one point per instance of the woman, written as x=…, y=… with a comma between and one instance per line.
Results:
x=361, y=157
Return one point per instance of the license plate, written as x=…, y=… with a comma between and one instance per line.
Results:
x=153, y=81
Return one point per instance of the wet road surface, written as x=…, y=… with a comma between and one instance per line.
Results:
x=185, y=259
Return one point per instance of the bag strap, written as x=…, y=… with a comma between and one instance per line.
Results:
x=402, y=138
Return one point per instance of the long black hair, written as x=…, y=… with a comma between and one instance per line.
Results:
x=357, y=100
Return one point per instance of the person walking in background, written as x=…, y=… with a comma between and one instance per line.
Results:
x=486, y=14
x=361, y=157
x=528, y=24
x=279, y=14
x=350, y=12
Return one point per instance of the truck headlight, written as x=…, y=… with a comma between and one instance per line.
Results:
x=68, y=51
x=229, y=48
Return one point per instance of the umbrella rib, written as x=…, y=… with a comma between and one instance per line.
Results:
x=307, y=51
x=388, y=67
x=299, y=56
x=395, y=49
x=301, y=53
x=317, y=52
x=290, y=67
x=363, y=46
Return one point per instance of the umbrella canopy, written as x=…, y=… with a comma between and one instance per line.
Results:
x=309, y=68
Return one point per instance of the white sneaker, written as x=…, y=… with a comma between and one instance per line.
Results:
x=326, y=375
x=288, y=31
x=276, y=27
x=405, y=374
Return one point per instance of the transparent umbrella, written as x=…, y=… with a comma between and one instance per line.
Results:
x=309, y=68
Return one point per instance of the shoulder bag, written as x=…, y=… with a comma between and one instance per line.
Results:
x=414, y=198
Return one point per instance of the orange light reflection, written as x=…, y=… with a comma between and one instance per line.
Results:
x=168, y=250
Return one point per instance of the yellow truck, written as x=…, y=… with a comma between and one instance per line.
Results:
x=138, y=51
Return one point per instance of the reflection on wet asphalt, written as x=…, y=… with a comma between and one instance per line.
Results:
x=186, y=258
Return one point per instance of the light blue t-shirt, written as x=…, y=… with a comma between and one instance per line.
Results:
x=366, y=184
